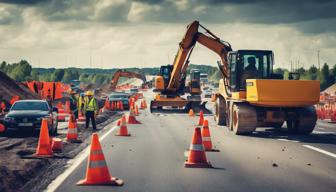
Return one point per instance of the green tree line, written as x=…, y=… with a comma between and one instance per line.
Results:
x=23, y=71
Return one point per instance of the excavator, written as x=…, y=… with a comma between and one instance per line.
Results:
x=123, y=73
x=250, y=95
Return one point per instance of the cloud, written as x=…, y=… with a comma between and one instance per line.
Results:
x=147, y=32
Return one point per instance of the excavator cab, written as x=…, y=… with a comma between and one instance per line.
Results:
x=249, y=64
x=162, y=79
x=195, y=82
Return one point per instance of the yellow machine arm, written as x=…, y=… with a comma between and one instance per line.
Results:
x=123, y=73
x=187, y=44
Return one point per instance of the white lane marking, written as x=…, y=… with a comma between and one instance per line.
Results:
x=324, y=132
x=321, y=151
x=74, y=163
x=294, y=141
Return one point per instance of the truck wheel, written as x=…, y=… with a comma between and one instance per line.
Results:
x=220, y=111
x=304, y=122
x=244, y=119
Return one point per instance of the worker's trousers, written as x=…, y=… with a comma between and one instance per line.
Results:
x=90, y=115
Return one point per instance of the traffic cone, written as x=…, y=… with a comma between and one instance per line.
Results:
x=57, y=145
x=145, y=104
x=201, y=118
x=191, y=113
x=197, y=157
x=67, y=107
x=123, y=127
x=206, y=137
x=142, y=106
x=107, y=105
x=44, y=146
x=121, y=106
x=136, y=111
x=81, y=117
x=97, y=172
x=112, y=106
x=72, y=129
x=72, y=133
x=131, y=117
x=2, y=128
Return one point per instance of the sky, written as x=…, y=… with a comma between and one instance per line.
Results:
x=146, y=33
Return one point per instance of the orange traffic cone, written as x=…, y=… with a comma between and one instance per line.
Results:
x=145, y=104
x=44, y=146
x=206, y=137
x=81, y=117
x=123, y=128
x=131, y=117
x=112, y=106
x=197, y=157
x=107, y=105
x=97, y=172
x=2, y=128
x=72, y=129
x=142, y=106
x=121, y=106
x=67, y=107
x=201, y=118
x=57, y=145
x=136, y=111
x=191, y=113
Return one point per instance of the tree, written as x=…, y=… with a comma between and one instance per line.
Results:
x=58, y=75
x=325, y=79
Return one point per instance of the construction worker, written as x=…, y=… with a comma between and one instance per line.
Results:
x=49, y=98
x=73, y=103
x=81, y=100
x=91, y=109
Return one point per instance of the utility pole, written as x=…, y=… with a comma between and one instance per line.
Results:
x=319, y=66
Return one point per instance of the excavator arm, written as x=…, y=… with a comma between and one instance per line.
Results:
x=123, y=73
x=187, y=44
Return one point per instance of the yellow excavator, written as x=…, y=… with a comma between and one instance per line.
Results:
x=123, y=73
x=250, y=95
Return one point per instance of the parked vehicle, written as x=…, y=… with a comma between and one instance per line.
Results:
x=27, y=115
x=120, y=96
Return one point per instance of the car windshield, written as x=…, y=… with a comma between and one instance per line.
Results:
x=31, y=105
x=118, y=96
x=134, y=90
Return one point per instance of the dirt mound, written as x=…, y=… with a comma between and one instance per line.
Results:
x=9, y=88
x=331, y=90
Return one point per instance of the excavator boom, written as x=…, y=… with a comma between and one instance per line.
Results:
x=123, y=73
x=171, y=84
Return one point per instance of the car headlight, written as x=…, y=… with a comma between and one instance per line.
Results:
x=10, y=119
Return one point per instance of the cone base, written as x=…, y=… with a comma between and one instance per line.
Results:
x=197, y=165
x=114, y=181
x=42, y=156
x=123, y=135
x=212, y=150
x=133, y=121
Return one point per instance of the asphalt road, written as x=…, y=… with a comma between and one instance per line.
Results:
x=152, y=159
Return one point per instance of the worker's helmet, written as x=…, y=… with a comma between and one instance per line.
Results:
x=82, y=94
x=89, y=93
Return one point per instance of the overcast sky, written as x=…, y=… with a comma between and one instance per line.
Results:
x=146, y=33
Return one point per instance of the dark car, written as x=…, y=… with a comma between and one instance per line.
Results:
x=27, y=115
x=119, y=96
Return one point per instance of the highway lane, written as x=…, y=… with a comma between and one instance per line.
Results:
x=153, y=159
